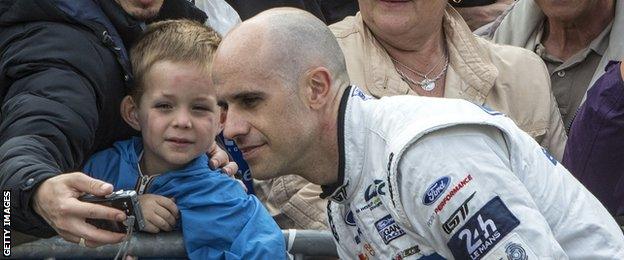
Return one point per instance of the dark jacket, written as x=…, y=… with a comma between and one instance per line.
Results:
x=64, y=69
x=209, y=202
x=594, y=153
x=329, y=11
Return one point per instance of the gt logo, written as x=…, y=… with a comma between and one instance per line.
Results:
x=458, y=216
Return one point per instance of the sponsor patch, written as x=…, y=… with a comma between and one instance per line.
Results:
x=483, y=231
x=435, y=190
x=357, y=238
x=549, y=156
x=407, y=252
x=374, y=189
x=369, y=249
x=512, y=248
x=349, y=218
x=371, y=195
x=452, y=193
x=515, y=252
x=357, y=92
x=388, y=229
x=457, y=217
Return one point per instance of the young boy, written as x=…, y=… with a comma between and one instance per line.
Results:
x=173, y=104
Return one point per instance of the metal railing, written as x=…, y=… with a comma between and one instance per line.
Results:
x=300, y=243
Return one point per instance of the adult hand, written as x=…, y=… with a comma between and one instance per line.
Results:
x=479, y=16
x=160, y=213
x=56, y=201
x=220, y=159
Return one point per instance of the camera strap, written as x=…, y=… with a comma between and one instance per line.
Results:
x=125, y=247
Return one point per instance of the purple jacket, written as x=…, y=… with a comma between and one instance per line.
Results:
x=595, y=148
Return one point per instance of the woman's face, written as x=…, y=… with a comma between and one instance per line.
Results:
x=397, y=17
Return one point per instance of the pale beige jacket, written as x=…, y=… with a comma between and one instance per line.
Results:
x=509, y=79
x=293, y=202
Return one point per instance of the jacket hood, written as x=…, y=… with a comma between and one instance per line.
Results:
x=97, y=15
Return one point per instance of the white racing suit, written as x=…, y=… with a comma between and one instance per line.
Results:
x=430, y=178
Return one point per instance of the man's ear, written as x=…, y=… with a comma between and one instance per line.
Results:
x=222, y=118
x=130, y=112
x=319, y=81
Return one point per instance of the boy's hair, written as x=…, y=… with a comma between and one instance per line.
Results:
x=181, y=41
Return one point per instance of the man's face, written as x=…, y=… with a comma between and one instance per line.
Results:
x=565, y=9
x=396, y=17
x=264, y=115
x=178, y=114
x=141, y=9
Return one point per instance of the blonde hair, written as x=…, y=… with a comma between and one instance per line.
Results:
x=181, y=41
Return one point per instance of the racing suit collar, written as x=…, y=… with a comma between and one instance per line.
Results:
x=333, y=189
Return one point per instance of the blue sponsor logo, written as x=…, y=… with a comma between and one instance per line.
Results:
x=388, y=229
x=436, y=190
x=486, y=228
x=549, y=156
x=349, y=219
x=357, y=92
x=515, y=252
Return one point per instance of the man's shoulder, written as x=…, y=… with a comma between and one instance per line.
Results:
x=511, y=56
x=51, y=39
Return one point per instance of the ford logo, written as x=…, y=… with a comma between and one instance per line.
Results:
x=436, y=190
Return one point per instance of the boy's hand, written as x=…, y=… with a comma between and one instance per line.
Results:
x=160, y=213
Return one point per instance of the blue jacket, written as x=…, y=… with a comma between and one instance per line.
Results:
x=219, y=220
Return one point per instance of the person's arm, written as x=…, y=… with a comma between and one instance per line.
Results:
x=49, y=116
x=219, y=220
x=477, y=203
x=555, y=138
x=305, y=209
x=479, y=16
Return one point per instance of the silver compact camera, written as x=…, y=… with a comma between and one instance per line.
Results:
x=124, y=200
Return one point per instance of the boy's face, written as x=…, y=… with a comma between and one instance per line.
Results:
x=178, y=115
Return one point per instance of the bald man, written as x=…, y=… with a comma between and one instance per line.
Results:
x=405, y=175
